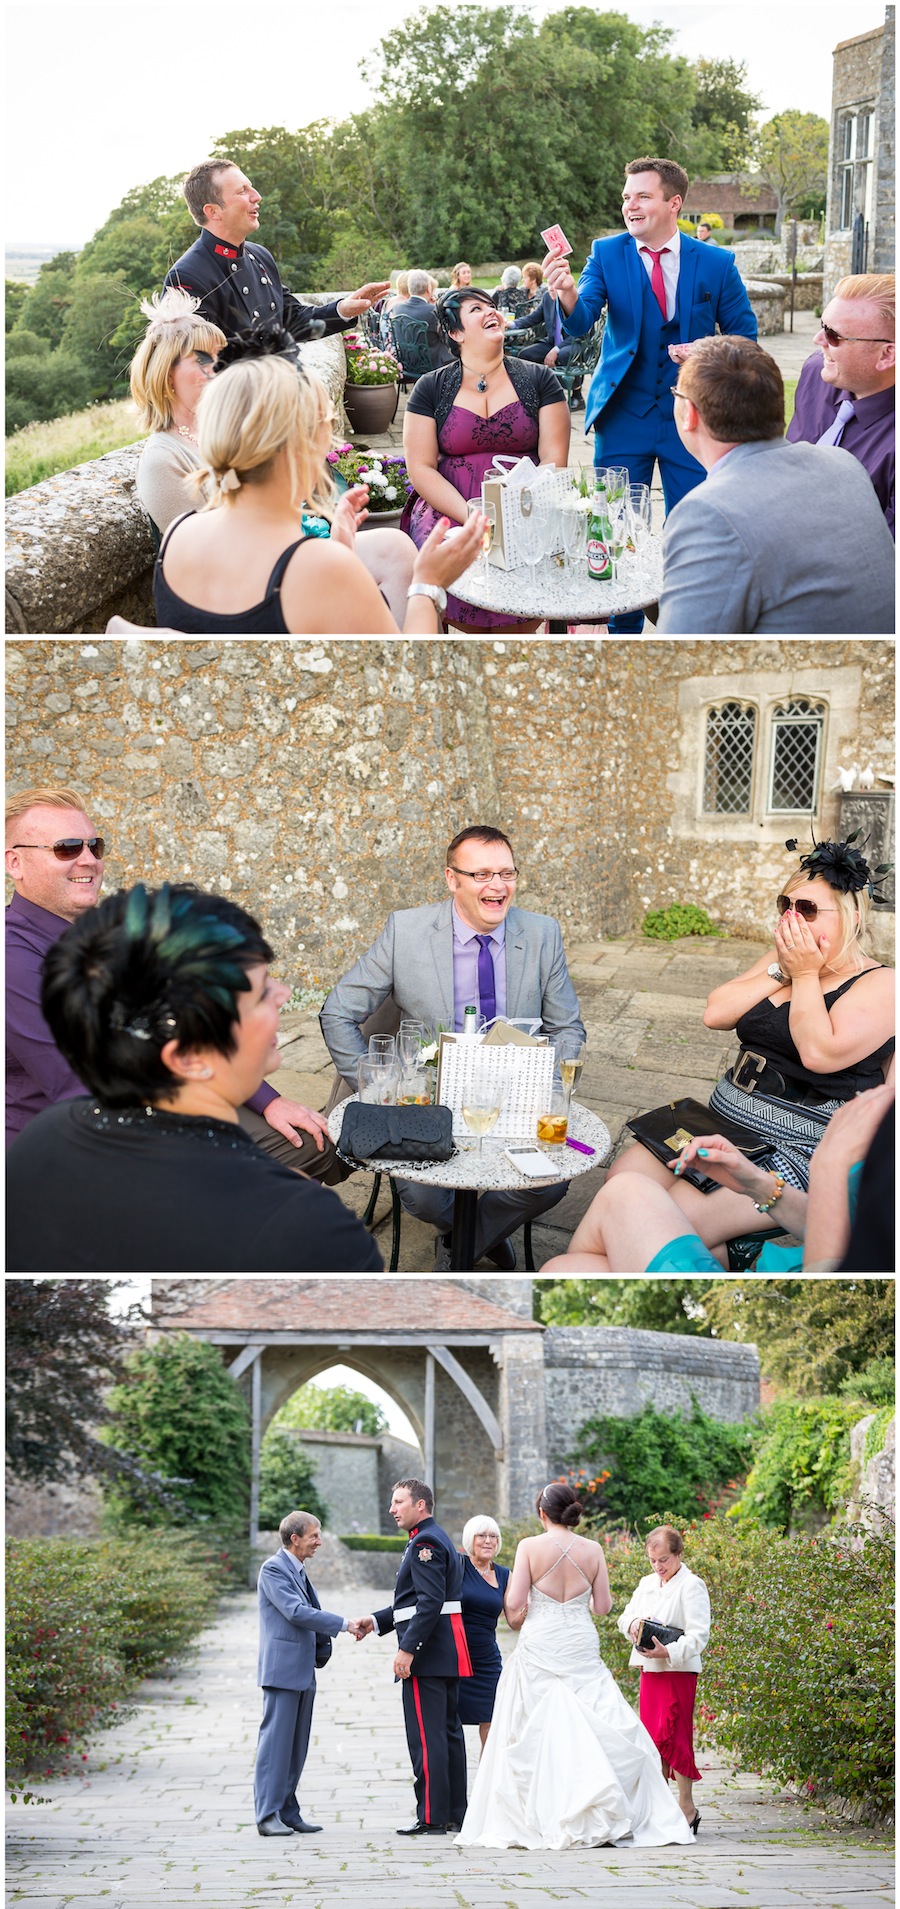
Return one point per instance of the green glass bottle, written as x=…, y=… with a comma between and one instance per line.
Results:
x=599, y=560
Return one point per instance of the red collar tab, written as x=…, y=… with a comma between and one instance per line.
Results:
x=413, y=1534
x=226, y=251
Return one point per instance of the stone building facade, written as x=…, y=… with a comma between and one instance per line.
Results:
x=318, y=783
x=740, y=199
x=861, y=155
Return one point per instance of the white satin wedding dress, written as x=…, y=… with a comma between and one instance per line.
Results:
x=567, y=1761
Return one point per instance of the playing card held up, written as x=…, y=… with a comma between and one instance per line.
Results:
x=555, y=237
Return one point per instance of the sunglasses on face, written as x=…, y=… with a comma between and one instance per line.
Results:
x=70, y=849
x=837, y=338
x=808, y=909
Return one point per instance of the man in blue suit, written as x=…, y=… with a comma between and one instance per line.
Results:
x=661, y=290
x=294, y=1641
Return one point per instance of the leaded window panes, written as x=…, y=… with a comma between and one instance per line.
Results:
x=846, y=218
x=797, y=728
x=728, y=762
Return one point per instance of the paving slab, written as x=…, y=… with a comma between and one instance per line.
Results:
x=164, y=1814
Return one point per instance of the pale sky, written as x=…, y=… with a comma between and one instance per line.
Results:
x=103, y=98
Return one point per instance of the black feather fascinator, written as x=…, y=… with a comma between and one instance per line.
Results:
x=842, y=866
x=267, y=341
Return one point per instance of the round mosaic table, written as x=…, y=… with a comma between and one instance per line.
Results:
x=469, y=1172
x=564, y=596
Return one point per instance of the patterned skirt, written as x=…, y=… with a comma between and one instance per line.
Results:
x=794, y=1131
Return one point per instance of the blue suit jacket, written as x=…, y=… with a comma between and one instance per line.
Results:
x=289, y=1625
x=710, y=294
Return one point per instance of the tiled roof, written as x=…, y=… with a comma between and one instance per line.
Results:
x=328, y=1305
x=727, y=195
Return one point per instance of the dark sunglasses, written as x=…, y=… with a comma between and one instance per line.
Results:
x=837, y=338
x=70, y=849
x=808, y=909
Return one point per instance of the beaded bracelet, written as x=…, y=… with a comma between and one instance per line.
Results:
x=765, y=1206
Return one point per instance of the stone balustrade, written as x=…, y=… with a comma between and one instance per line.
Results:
x=79, y=548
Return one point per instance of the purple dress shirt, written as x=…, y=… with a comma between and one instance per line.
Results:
x=465, y=967
x=36, y=1074
x=869, y=436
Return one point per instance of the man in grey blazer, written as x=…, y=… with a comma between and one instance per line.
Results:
x=782, y=539
x=472, y=948
x=294, y=1641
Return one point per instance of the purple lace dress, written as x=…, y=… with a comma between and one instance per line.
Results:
x=468, y=445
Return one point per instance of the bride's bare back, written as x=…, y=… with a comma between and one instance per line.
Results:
x=562, y=1566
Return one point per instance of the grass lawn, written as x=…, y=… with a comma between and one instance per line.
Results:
x=40, y=450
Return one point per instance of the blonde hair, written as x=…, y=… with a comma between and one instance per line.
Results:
x=854, y=910
x=533, y=271
x=174, y=331
x=878, y=286
x=247, y=415
x=41, y=798
x=475, y=1528
x=403, y=284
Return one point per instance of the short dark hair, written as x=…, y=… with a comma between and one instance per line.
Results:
x=478, y=832
x=419, y=1492
x=560, y=1504
x=146, y=967
x=201, y=187
x=449, y=309
x=673, y=177
x=737, y=389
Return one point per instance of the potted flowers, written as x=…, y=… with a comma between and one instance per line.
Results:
x=372, y=387
x=383, y=471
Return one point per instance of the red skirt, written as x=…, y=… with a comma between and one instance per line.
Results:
x=667, y=1712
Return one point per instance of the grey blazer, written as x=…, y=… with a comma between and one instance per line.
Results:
x=413, y=960
x=782, y=539
x=288, y=1626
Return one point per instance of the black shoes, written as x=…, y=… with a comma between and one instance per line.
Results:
x=300, y=1828
x=424, y=1829
x=695, y=1823
x=503, y=1256
x=274, y=1826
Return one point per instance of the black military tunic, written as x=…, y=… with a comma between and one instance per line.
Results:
x=239, y=287
x=426, y=1616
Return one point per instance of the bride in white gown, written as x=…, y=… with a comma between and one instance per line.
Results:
x=567, y=1760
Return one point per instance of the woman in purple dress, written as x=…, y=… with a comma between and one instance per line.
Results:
x=460, y=418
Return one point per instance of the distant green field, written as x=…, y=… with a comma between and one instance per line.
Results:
x=43, y=449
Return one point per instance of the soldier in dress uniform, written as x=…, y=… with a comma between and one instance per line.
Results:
x=238, y=285
x=431, y=1658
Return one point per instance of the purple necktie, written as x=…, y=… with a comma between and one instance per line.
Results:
x=845, y=411
x=486, y=997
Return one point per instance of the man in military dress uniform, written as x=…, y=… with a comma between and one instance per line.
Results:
x=238, y=285
x=431, y=1658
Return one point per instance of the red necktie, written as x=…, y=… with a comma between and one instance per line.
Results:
x=657, y=282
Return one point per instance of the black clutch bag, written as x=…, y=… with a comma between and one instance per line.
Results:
x=323, y=1650
x=664, y=1634
x=372, y=1133
x=664, y=1131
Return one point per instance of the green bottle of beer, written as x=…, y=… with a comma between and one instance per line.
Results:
x=599, y=560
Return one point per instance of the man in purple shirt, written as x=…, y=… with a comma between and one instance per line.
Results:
x=54, y=858
x=845, y=393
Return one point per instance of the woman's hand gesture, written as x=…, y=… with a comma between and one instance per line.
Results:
x=449, y=550
x=799, y=950
x=709, y=1153
x=351, y=512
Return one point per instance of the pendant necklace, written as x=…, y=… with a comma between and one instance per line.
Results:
x=480, y=383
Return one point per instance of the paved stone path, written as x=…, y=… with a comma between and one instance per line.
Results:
x=642, y=1004
x=165, y=1816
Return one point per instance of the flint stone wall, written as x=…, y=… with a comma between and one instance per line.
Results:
x=319, y=783
x=614, y=1371
x=79, y=548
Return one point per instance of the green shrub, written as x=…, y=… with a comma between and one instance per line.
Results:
x=659, y=1458
x=875, y=1434
x=372, y=1541
x=669, y=924
x=801, y=1465
x=184, y=1419
x=286, y=1481
x=84, y=1623
x=329, y=1408
x=875, y=1384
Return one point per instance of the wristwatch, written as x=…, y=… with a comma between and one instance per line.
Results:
x=432, y=590
x=776, y=972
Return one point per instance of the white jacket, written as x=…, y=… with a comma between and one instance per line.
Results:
x=683, y=1600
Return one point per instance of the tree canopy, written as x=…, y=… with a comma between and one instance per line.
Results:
x=330, y=1408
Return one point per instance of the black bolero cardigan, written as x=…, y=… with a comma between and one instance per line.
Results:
x=434, y=395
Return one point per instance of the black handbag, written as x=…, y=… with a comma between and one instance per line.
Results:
x=663, y=1633
x=323, y=1650
x=664, y=1131
x=371, y=1134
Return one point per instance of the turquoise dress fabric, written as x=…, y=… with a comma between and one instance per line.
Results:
x=687, y=1253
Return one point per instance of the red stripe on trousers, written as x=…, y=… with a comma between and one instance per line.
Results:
x=462, y=1647
x=425, y=1771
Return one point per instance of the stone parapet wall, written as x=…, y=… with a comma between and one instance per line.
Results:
x=79, y=548
x=614, y=1371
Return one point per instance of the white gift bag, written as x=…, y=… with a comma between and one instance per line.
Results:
x=524, y=1076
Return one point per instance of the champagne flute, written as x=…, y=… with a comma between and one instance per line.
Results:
x=475, y=507
x=410, y=1039
x=382, y=1049
x=639, y=518
x=482, y=1103
x=617, y=518
x=570, y=1060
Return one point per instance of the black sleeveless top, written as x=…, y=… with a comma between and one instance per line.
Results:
x=765, y=1029
x=262, y=619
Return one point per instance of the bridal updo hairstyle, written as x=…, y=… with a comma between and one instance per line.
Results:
x=146, y=967
x=251, y=411
x=560, y=1504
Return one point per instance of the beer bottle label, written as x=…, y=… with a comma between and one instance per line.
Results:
x=599, y=565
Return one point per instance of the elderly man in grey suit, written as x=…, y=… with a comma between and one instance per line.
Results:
x=782, y=539
x=472, y=949
x=294, y=1641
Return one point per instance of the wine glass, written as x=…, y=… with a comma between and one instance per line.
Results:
x=382, y=1049
x=410, y=1040
x=570, y=1062
x=376, y=1084
x=531, y=533
x=639, y=518
x=482, y=1103
x=617, y=518
x=476, y=507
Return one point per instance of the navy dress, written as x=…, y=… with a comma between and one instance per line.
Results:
x=481, y=1607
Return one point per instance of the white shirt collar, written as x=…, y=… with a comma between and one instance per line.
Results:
x=673, y=245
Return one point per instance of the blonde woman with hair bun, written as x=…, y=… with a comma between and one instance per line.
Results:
x=242, y=565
